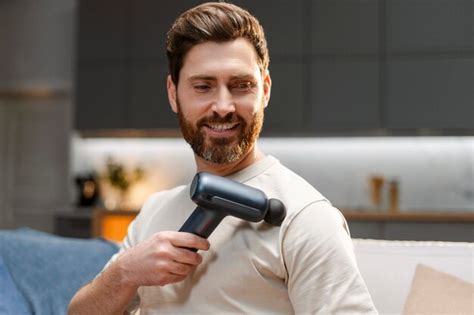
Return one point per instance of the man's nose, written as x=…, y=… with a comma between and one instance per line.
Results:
x=224, y=102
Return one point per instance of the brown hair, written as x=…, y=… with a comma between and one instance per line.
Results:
x=213, y=21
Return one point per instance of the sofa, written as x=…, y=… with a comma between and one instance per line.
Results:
x=418, y=277
x=40, y=272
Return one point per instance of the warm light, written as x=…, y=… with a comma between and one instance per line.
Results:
x=139, y=193
x=114, y=226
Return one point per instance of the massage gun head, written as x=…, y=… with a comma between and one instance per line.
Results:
x=276, y=212
x=218, y=193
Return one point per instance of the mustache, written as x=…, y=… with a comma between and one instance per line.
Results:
x=216, y=119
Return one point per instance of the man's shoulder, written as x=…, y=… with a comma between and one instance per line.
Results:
x=290, y=183
x=162, y=198
x=278, y=181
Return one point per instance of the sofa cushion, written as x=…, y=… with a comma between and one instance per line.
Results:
x=436, y=292
x=11, y=299
x=48, y=269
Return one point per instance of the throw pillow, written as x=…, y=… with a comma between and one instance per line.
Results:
x=436, y=292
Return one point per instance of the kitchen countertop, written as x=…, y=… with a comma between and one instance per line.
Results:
x=408, y=216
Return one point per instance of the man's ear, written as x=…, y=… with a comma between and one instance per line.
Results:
x=267, y=86
x=172, y=95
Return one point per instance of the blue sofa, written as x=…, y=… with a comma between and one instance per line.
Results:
x=40, y=272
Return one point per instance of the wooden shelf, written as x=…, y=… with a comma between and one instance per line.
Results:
x=353, y=215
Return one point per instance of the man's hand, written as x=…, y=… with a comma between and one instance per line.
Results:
x=161, y=259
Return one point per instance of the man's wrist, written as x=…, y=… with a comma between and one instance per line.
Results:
x=120, y=276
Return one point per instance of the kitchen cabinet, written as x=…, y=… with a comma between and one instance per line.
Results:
x=344, y=89
x=284, y=23
x=345, y=27
x=103, y=32
x=285, y=113
x=436, y=26
x=339, y=67
x=345, y=96
x=433, y=93
x=102, y=100
x=150, y=22
x=430, y=64
x=149, y=106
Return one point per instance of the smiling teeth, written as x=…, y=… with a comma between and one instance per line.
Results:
x=221, y=127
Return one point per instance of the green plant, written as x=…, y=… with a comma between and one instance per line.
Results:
x=119, y=177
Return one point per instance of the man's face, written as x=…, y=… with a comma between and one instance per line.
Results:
x=220, y=99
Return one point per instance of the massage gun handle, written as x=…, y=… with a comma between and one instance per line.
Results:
x=202, y=222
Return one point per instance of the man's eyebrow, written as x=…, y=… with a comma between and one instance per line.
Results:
x=202, y=77
x=243, y=77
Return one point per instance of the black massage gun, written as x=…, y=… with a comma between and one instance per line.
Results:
x=218, y=197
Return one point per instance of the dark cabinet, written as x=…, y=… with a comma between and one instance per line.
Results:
x=149, y=106
x=343, y=27
x=283, y=24
x=339, y=67
x=103, y=32
x=345, y=96
x=150, y=22
x=287, y=107
x=102, y=96
x=430, y=65
x=436, y=93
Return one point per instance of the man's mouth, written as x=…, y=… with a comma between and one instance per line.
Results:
x=221, y=129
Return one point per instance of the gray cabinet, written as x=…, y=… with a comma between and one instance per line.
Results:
x=283, y=23
x=430, y=93
x=344, y=96
x=345, y=27
x=103, y=32
x=429, y=26
x=149, y=106
x=339, y=67
x=102, y=96
x=429, y=75
x=150, y=22
x=285, y=112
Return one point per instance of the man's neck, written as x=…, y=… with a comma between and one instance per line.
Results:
x=250, y=158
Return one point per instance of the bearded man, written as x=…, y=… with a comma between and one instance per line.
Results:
x=219, y=86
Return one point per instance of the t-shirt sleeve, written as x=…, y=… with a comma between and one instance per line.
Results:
x=322, y=273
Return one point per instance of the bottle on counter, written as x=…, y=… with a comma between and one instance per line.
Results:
x=376, y=183
x=393, y=196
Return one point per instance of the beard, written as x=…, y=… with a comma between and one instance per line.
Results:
x=221, y=150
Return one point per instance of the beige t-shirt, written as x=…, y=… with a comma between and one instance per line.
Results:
x=305, y=266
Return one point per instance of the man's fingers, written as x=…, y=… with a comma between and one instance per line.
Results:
x=188, y=240
x=185, y=256
x=179, y=269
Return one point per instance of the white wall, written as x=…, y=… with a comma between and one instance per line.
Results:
x=435, y=173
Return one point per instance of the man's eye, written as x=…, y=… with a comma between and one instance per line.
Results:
x=202, y=87
x=243, y=86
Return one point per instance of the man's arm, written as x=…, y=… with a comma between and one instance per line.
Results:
x=323, y=276
x=159, y=260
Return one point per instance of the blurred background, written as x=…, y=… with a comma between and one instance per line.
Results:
x=372, y=103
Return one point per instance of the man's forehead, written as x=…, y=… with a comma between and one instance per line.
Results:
x=237, y=56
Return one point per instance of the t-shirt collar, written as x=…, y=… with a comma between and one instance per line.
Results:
x=254, y=169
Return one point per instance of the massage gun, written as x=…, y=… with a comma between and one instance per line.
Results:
x=218, y=197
